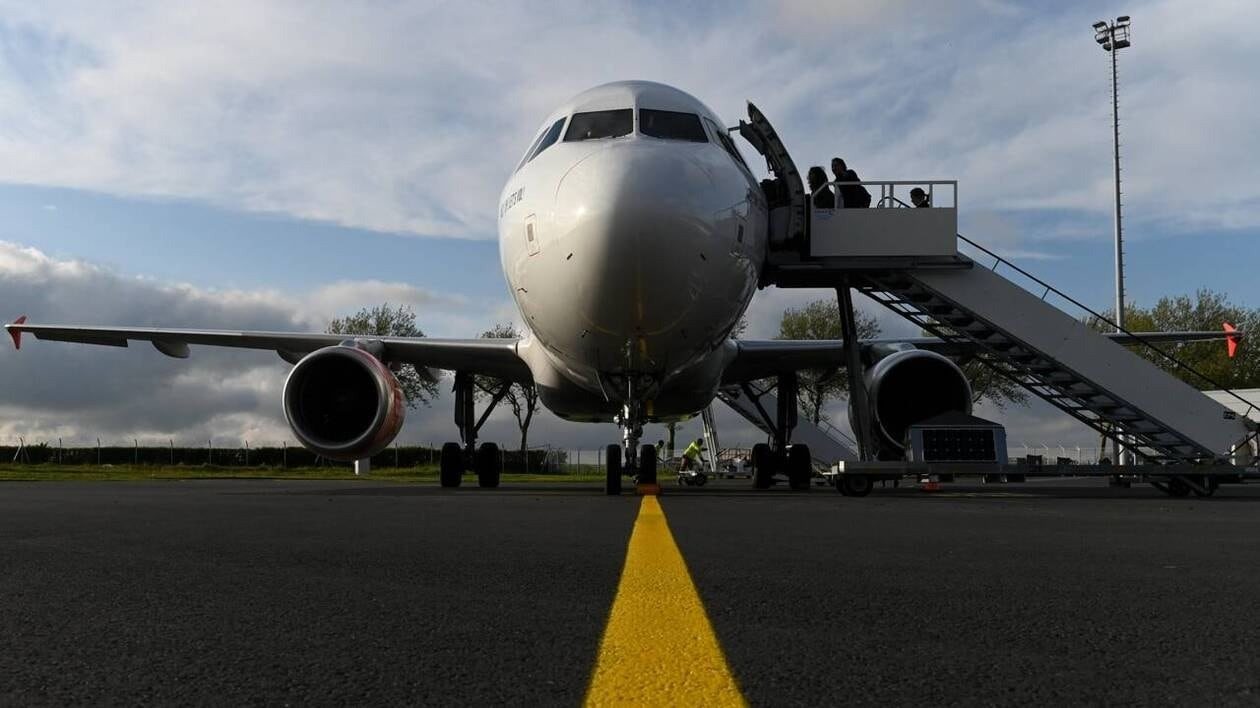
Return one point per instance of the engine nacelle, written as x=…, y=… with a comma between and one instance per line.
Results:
x=908, y=386
x=343, y=403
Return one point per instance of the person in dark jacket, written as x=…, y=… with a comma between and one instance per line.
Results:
x=919, y=198
x=853, y=196
x=824, y=199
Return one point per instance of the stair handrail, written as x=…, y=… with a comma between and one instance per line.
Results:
x=998, y=260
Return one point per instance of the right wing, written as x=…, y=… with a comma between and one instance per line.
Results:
x=492, y=357
x=756, y=359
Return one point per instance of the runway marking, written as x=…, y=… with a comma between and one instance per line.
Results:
x=659, y=647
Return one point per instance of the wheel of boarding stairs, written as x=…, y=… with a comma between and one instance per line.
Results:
x=451, y=465
x=1177, y=487
x=488, y=463
x=647, y=464
x=612, y=470
x=856, y=485
x=800, y=467
x=1209, y=484
x=763, y=466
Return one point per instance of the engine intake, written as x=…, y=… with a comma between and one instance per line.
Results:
x=912, y=385
x=343, y=403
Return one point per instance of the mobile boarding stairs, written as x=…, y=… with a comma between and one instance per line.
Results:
x=913, y=261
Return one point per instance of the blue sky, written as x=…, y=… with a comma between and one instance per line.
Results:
x=278, y=163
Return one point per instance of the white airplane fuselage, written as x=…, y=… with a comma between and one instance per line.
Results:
x=632, y=257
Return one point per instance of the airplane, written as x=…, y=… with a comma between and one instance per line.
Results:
x=632, y=235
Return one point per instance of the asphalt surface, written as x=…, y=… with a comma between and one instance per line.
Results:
x=247, y=592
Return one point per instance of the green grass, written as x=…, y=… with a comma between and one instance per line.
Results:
x=103, y=473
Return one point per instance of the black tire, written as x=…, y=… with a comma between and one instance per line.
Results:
x=647, y=464
x=612, y=470
x=451, y=466
x=763, y=466
x=701, y=478
x=856, y=485
x=1209, y=485
x=800, y=467
x=1177, y=487
x=488, y=463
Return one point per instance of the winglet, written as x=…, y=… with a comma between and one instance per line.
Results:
x=1231, y=340
x=17, y=333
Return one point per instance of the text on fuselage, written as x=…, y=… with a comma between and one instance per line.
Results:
x=512, y=200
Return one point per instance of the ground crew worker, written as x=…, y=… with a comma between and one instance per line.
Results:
x=691, y=456
x=660, y=449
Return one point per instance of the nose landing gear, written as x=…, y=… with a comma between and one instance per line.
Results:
x=640, y=462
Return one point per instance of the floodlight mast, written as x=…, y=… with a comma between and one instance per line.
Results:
x=1113, y=37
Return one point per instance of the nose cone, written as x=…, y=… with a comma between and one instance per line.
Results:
x=638, y=218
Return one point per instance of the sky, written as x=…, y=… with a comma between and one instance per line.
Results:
x=275, y=164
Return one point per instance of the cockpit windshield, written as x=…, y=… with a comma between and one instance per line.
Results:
x=600, y=124
x=671, y=125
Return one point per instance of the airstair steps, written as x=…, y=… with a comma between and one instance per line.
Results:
x=1061, y=360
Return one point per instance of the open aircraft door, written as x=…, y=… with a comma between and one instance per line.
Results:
x=785, y=193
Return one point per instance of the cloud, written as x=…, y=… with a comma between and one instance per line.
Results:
x=405, y=118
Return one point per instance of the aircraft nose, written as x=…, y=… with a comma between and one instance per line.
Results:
x=640, y=218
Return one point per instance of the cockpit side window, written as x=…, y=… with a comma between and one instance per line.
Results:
x=600, y=124
x=532, y=147
x=671, y=125
x=548, y=139
x=725, y=141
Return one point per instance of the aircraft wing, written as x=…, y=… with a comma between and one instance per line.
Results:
x=757, y=359
x=492, y=357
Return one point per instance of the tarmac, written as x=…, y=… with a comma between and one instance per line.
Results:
x=248, y=592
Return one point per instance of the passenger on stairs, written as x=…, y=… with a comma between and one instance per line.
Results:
x=824, y=198
x=919, y=198
x=853, y=196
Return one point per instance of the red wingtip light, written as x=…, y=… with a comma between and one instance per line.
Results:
x=17, y=333
x=1231, y=340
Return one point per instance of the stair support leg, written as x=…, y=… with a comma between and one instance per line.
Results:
x=855, y=371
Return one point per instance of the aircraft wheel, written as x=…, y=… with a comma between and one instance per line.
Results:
x=800, y=467
x=1209, y=485
x=451, y=465
x=856, y=485
x=1177, y=487
x=488, y=463
x=612, y=470
x=763, y=466
x=647, y=465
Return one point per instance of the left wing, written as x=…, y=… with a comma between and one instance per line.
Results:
x=493, y=357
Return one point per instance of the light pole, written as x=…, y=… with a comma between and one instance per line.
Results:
x=1113, y=37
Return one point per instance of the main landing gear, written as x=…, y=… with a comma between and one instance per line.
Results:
x=778, y=456
x=487, y=460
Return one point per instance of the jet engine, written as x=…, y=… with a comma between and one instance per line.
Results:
x=908, y=386
x=343, y=402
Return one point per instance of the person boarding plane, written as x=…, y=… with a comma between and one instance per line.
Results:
x=632, y=235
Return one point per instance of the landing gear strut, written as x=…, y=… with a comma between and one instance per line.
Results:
x=486, y=461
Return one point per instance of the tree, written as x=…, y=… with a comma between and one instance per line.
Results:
x=1207, y=310
x=820, y=319
x=989, y=384
x=419, y=386
x=521, y=398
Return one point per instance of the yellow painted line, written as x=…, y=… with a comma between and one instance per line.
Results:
x=659, y=647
